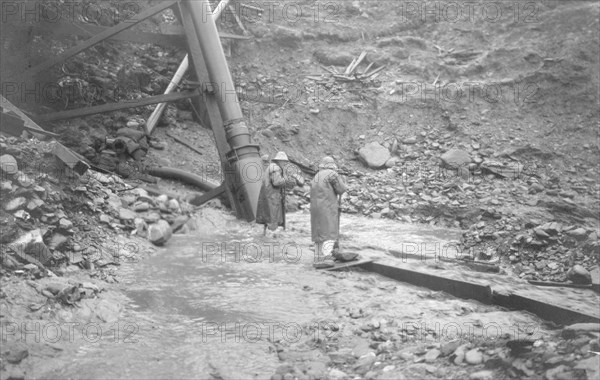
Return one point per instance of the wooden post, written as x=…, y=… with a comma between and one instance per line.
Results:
x=211, y=116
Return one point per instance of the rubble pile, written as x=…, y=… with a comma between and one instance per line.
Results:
x=386, y=349
x=540, y=223
x=50, y=215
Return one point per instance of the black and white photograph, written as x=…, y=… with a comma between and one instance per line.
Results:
x=299, y=189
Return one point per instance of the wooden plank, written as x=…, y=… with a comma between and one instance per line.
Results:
x=347, y=71
x=208, y=196
x=545, y=310
x=350, y=264
x=211, y=116
x=63, y=28
x=14, y=125
x=117, y=106
x=358, y=61
x=181, y=70
x=100, y=37
x=373, y=72
x=237, y=20
x=156, y=114
x=70, y=159
x=458, y=288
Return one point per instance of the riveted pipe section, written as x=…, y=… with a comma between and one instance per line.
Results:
x=244, y=155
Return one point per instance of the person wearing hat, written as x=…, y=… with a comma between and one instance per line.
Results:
x=280, y=174
x=326, y=187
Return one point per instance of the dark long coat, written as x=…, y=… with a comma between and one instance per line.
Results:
x=324, y=191
x=270, y=200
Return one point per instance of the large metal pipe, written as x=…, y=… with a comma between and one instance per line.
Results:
x=244, y=155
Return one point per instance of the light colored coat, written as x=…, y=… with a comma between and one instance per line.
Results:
x=270, y=209
x=324, y=191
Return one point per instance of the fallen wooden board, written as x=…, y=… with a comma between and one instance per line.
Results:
x=117, y=106
x=560, y=284
x=207, y=196
x=14, y=125
x=348, y=264
x=485, y=294
x=70, y=158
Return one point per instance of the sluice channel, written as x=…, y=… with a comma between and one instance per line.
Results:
x=217, y=305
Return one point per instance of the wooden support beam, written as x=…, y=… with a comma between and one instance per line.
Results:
x=100, y=37
x=117, y=106
x=62, y=28
x=458, y=288
x=70, y=159
x=198, y=201
x=181, y=70
x=237, y=20
x=211, y=116
x=14, y=125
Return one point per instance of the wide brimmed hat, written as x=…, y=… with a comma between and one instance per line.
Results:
x=280, y=156
x=328, y=163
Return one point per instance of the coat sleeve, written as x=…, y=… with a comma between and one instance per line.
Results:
x=338, y=184
x=276, y=176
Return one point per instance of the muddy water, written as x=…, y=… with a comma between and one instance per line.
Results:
x=213, y=305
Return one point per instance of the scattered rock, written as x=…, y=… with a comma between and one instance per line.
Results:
x=432, y=355
x=579, y=275
x=455, y=158
x=31, y=247
x=578, y=233
x=474, y=356
x=15, y=204
x=336, y=374
x=159, y=233
x=126, y=214
x=482, y=375
x=8, y=164
x=374, y=155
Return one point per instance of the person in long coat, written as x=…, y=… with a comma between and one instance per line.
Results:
x=271, y=200
x=326, y=187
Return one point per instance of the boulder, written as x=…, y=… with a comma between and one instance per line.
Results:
x=15, y=204
x=374, y=155
x=160, y=232
x=578, y=233
x=8, y=164
x=455, y=158
x=31, y=248
x=579, y=275
x=126, y=214
x=474, y=356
